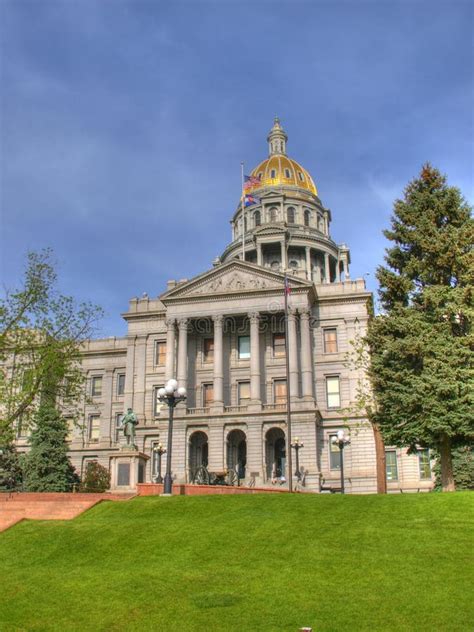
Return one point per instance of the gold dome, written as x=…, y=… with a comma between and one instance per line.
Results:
x=279, y=170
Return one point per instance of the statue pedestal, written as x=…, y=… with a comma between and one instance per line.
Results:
x=127, y=468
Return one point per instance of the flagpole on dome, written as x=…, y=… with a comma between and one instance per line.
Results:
x=242, y=205
x=288, y=399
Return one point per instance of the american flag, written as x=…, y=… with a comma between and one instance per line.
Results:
x=250, y=182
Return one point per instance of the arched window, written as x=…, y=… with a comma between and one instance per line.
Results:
x=273, y=173
x=287, y=173
x=273, y=215
x=301, y=176
x=290, y=215
x=320, y=223
x=257, y=220
x=307, y=217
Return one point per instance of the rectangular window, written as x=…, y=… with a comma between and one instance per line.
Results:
x=330, y=340
x=279, y=391
x=160, y=353
x=70, y=428
x=94, y=428
x=120, y=383
x=332, y=392
x=424, y=464
x=118, y=423
x=96, y=386
x=208, y=348
x=207, y=394
x=244, y=347
x=391, y=466
x=278, y=345
x=157, y=405
x=334, y=454
x=244, y=393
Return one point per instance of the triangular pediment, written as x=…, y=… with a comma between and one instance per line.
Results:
x=235, y=277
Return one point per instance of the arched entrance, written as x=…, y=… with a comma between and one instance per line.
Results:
x=275, y=449
x=237, y=452
x=198, y=452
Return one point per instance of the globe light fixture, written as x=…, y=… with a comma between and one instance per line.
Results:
x=159, y=449
x=171, y=395
x=296, y=444
x=341, y=441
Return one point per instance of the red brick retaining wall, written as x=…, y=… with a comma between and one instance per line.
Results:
x=48, y=506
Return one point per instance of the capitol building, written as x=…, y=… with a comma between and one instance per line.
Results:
x=221, y=334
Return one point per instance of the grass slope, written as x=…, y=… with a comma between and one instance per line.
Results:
x=244, y=563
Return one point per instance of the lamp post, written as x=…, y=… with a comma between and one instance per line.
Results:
x=159, y=449
x=296, y=444
x=341, y=441
x=171, y=394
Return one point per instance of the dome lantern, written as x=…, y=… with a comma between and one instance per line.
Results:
x=277, y=139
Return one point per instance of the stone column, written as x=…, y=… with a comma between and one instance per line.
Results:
x=293, y=353
x=255, y=396
x=283, y=255
x=140, y=371
x=183, y=352
x=338, y=270
x=327, y=270
x=170, y=348
x=107, y=422
x=306, y=355
x=346, y=269
x=259, y=254
x=129, y=374
x=218, y=361
x=308, y=263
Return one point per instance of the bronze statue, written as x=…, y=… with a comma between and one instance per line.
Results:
x=128, y=424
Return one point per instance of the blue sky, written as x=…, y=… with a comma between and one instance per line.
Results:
x=123, y=125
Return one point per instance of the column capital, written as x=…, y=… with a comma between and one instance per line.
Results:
x=304, y=312
x=170, y=322
x=291, y=313
x=183, y=323
x=254, y=317
x=218, y=319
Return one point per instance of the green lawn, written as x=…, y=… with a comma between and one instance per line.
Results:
x=245, y=563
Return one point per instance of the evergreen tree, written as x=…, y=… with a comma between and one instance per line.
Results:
x=422, y=371
x=463, y=469
x=11, y=474
x=47, y=467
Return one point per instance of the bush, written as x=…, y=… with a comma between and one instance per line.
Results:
x=96, y=478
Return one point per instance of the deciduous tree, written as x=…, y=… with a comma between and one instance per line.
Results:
x=41, y=332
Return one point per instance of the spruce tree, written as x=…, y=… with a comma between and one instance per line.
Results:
x=422, y=371
x=47, y=467
x=11, y=474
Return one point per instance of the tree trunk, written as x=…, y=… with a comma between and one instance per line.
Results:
x=380, y=460
x=445, y=457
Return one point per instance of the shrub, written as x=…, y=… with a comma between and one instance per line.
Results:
x=96, y=478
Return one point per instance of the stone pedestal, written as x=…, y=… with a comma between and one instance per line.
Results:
x=127, y=468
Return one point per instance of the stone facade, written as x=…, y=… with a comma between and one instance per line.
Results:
x=221, y=335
